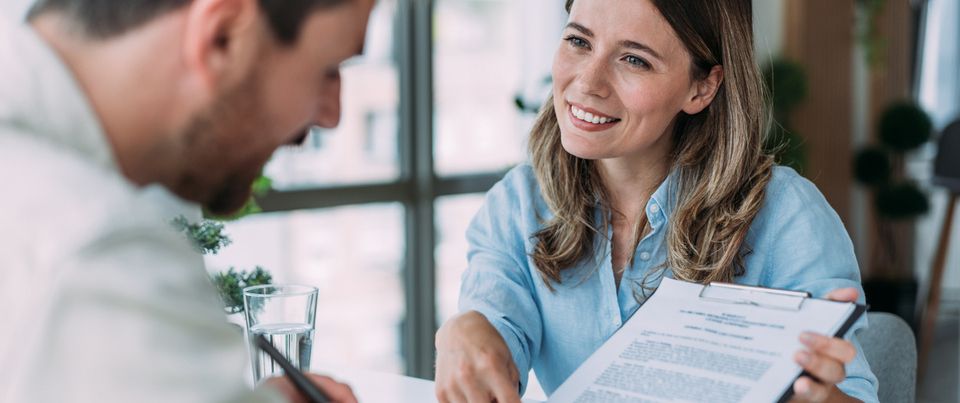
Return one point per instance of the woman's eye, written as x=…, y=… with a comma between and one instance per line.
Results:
x=577, y=42
x=636, y=61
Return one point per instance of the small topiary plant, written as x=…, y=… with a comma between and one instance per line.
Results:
x=902, y=127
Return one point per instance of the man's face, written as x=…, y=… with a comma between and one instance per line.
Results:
x=290, y=88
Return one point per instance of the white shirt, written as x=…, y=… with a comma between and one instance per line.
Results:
x=100, y=299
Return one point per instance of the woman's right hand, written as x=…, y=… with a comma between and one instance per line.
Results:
x=474, y=364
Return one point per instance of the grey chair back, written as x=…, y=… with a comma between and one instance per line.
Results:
x=890, y=348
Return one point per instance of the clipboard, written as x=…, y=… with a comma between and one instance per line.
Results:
x=773, y=298
x=687, y=321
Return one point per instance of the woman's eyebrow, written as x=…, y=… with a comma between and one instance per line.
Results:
x=624, y=43
x=639, y=46
x=586, y=31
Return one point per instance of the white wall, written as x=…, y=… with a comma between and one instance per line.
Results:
x=16, y=9
x=768, y=22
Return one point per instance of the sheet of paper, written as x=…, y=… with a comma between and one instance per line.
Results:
x=681, y=348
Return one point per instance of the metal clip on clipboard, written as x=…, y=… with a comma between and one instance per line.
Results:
x=756, y=296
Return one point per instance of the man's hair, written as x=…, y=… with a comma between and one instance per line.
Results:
x=107, y=18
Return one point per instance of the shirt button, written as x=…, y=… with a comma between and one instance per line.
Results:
x=654, y=208
x=644, y=255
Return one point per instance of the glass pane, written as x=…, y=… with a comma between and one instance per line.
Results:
x=453, y=216
x=354, y=256
x=486, y=54
x=364, y=147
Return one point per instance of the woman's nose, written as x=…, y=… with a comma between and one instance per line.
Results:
x=594, y=78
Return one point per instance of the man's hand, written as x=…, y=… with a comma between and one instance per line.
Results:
x=474, y=364
x=825, y=359
x=336, y=391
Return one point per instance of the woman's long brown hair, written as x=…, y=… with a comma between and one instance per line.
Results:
x=719, y=163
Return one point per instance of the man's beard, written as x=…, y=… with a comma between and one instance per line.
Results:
x=221, y=154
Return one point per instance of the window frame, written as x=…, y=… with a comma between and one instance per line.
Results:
x=417, y=188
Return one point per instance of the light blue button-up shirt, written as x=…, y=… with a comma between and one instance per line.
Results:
x=796, y=242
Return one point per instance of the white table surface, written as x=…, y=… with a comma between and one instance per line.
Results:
x=378, y=387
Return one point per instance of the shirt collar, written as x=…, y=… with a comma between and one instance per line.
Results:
x=662, y=202
x=40, y=98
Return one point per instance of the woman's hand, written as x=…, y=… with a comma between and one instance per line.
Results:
x=825, y=359
x=474, y=364
x=336, y=391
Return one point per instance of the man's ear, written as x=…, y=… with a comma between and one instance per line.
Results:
x=704, y=91
x=221, y=40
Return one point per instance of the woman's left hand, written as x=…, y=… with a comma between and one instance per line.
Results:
x=825, y=359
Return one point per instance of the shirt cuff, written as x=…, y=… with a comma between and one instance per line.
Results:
x=859, y=388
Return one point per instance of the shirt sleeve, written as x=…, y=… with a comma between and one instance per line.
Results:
x=497, y=283
x=807, y=248
x=135, y=319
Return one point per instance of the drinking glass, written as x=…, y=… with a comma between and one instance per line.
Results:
x=284, y=315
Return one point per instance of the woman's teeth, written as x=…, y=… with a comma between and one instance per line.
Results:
x=589, y=117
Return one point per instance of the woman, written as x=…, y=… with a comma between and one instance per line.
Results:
x=647, y=161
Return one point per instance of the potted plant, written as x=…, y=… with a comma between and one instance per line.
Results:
x=208, y=238
x=892, y=286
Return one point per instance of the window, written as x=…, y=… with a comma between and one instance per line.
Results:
x=363, y=148
x=374, y=211
x=939, y=94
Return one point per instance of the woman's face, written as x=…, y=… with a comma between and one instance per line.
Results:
x=621, y=76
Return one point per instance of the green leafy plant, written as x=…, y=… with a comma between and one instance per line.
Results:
x=208, y=237
x=786, y=82
x=532, y=107
x=260, y=188
x=230, y=285
x=868, y=32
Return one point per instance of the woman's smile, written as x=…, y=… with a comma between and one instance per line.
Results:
x=588, y=119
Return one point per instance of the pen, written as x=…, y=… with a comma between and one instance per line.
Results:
x=311, y=391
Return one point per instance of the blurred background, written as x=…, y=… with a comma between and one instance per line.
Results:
x=439, y=107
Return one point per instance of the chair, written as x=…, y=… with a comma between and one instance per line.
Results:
x=890, y=348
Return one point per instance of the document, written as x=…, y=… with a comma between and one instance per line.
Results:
x=715, y=343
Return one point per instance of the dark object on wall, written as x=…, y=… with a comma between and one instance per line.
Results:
x=946, y=169
x=946, y=173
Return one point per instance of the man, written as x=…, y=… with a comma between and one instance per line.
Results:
x=114, y=117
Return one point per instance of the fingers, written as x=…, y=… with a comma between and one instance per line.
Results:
x=474, y=363
x=504, y=390
x=336, y=391
x=805, y=389
x=481, y=381
x=849, y=294
x=826, y=370
x=475, y=393
x=449, y=394
x=825, y=360
x=833, y=347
